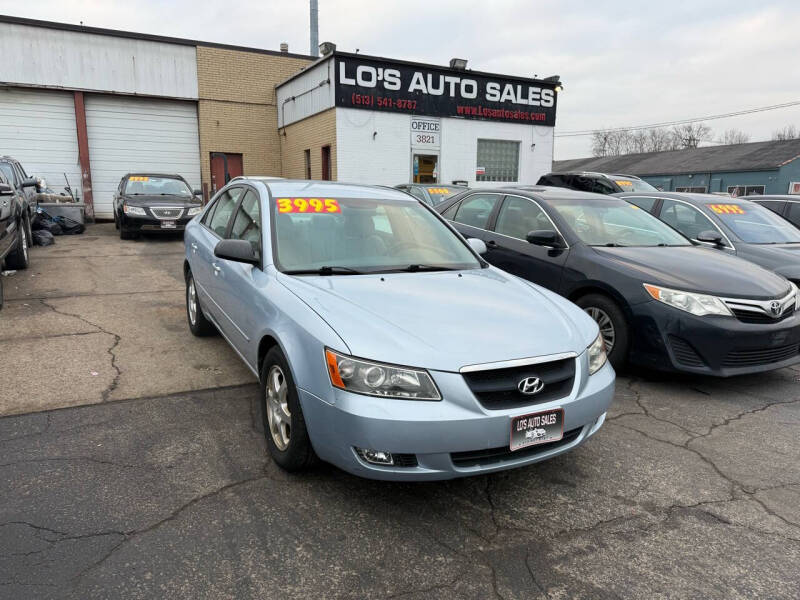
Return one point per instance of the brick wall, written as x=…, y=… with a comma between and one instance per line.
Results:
x=236, y=109
x=312, y=133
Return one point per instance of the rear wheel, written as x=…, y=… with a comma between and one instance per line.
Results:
x=1, y=292
x=18, y=259
x=198, y=324
x=284, y=426
x=613, y=326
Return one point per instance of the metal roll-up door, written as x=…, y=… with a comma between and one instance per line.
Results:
x=37, y=127
x=139, y=135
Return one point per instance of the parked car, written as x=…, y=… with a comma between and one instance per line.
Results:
x=599, y=183
x=659, y=300
x=384, y=344
x=733, y=225
x=14, y=229
x=784, y=205
x=431, y=193
x=149, y=202
x=26, y=187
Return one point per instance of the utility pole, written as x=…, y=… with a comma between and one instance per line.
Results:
x=314, y=8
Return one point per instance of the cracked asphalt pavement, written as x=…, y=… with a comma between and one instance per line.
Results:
x=133, y=466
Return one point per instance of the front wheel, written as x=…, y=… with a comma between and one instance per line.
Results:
x=18, y=259
x=198, y=324
x=613, y=326
x=284, y=426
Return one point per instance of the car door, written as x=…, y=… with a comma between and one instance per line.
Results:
x=691, y=221
x=237, y=281
x=473, y=217
x=205, y=266
x=512, y=252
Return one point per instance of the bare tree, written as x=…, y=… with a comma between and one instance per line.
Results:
x=689, y=135
x=788, y=132
x=735, y=136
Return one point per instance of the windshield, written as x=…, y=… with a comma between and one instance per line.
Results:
x=607, y=222
x=363, y=235
x=143, y=185
x=755, y=224
x=439, y=194
x=632, y=185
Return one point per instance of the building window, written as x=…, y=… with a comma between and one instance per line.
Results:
x=745, y=190
x=307, y=157
x=498, y=160
x=326, y=163
x=698, y=189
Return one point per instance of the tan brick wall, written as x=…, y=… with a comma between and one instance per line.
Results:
x=237, y=109
x=312, y=133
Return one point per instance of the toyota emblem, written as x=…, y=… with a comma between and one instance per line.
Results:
x=775, y=307
x=530, y=385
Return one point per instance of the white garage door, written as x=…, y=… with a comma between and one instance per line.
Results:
x=139, y=135
x=38, y=129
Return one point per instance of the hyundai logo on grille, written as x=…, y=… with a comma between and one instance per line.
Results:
x=775, y=308
x=530, y=385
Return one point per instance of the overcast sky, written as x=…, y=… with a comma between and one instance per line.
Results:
x=622, y=63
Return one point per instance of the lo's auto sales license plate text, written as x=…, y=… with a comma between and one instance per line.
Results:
x=537, y=428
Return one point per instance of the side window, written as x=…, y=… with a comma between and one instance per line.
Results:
x=794, y=213
x=686, y=219
x=223, y=209
x=451, y=211
x=8, y=171
x=602, y=186
x=645, y=203
x=582, y=183
x=775, y=206
x=476, y=210
x=417, y=193
x=247, y=224
x=520, y=216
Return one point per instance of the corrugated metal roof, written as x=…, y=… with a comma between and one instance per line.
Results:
x=755, y=156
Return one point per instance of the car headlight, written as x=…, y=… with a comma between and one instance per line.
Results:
x=597, y=354
x=379, y=379
x=194, y=211
x=796, y=294
x=697, y=304
x=133, y=210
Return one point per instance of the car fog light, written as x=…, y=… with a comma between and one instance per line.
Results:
x=376, y=457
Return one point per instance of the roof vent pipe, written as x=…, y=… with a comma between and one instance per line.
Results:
x=314, y=9
x=284, y=47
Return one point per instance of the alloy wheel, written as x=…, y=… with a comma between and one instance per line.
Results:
x=192, y=301
x=24, y=240
x=605, y=324
x=278, y=415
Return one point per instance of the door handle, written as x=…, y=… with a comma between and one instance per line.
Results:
x=491, y=244
x=216, y=268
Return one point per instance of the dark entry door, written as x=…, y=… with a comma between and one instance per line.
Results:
x=219, y=176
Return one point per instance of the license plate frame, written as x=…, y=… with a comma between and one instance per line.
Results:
x=170, y=224
x=529, y=435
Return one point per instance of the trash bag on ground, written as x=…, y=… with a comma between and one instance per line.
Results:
x=69, y=226
x=44, y=222
x=42, y=237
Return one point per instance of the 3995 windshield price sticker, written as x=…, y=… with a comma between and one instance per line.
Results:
x=308, y=205
x=727, y=209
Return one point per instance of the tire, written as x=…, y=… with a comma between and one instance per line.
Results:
x=116, y=222
x=18, y=259
x=1, y=290
x=284, y=426
x=124, y=234
x=607, y=312
x=198, y=324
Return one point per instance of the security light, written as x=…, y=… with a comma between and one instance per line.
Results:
x=326, y=48
x=556, y=79
x=458, y=63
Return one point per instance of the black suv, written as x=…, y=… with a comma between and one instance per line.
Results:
x=15, y=229
x=599, y=183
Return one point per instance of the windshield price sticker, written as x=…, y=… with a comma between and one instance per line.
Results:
x=727, y=209
x=308, y=205
x=623, y=182
x=138, y=178
x=438, y=191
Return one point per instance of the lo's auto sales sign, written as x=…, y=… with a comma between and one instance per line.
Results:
x=420, y=90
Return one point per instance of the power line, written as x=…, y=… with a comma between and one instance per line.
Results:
x=748, y=111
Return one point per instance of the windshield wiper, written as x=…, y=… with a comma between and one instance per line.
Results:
x=326, y=270
x=417, y=268
x=614, y=245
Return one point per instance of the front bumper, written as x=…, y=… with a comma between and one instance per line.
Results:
x=148, y=223
x=434, y=431
x=670, y=339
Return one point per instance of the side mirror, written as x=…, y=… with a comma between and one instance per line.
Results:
x=198, y=192
x=30, y=182
x=6, y=190
x=544, y=237
x=479, y=246
x=710, y=237
x=238, y=251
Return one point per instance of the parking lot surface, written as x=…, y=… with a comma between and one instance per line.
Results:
x=133, y=466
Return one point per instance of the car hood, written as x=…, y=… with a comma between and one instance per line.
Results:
x=696, y=269
x=159, y=200
x=444, y=320
x=781, y=258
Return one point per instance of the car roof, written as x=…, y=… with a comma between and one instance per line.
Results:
x=691, y=197
x=549, y=192
x=785, y=197
x=435, y=185
x=333, y=189
x=149, y=174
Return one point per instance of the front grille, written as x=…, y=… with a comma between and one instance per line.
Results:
x=491, y=456
x=747, y=316
x=752, y=358
x=684, y=353
x=166, y=213
x=497, y=389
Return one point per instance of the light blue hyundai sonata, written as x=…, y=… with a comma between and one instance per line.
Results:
x=383, y=342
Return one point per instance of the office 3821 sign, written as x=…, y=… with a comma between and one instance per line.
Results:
x=420, y=90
